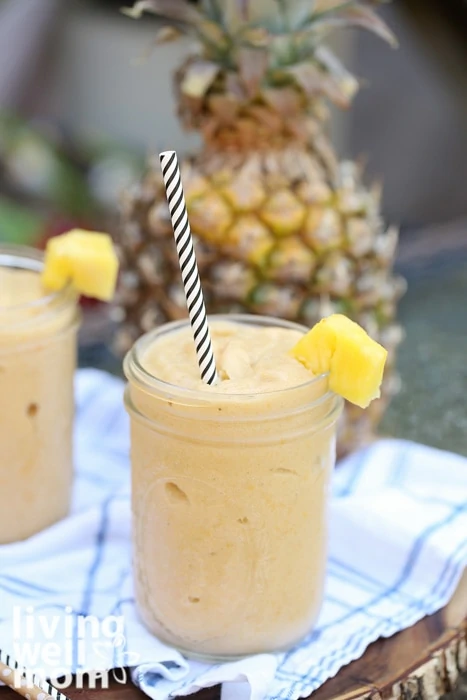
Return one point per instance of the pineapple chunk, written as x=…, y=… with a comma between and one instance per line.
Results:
x=86, y=259
x=355, y=361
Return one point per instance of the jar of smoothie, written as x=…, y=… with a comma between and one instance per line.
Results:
x=229, y=487
x=37, y=363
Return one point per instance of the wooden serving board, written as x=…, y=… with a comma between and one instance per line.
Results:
x=422, y=662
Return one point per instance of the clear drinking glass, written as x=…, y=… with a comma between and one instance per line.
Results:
x=37, y=363
x=229, y=497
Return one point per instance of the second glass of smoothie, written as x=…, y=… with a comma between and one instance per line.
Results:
x=37, y=364
x=230, y=487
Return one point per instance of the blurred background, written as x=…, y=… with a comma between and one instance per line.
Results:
x=82, y=107
x=80, y=67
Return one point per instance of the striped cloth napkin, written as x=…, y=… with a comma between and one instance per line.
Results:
x=398, y=547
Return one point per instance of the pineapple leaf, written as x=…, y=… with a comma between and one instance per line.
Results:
x=235, y=15
x=198, y=78
x=255, y=14
x=212, y=10
x=243, y=9
x=314, y=81
x=208, y=32
x=252, y=64
x=282, y=4
x=333, y=66
x=284, y=51
x=324, y=8
x=285, y=100
x=234, y=87
x=292, y=13
x=177, y=10
x=255, y=37
x=163, y=36
x=167, y=34
x=350, y=14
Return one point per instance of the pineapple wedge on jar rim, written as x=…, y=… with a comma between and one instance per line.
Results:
x=355, y=362
x=87, y=259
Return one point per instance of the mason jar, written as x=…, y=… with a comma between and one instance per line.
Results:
x=37, y=363
x=229, y=499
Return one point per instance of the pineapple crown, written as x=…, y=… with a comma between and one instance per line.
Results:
x=253, y=46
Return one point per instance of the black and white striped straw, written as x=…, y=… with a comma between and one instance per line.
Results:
x=39, y=688
x=188, y=266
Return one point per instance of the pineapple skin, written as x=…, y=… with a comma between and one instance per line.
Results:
x=275, y=234
x=280, y=226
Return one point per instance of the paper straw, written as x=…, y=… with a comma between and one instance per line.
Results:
x=30, y=686
x=188, y=266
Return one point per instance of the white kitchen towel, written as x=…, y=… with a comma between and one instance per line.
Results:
x=398, y=546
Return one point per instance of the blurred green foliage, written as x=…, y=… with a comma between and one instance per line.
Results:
x=50, y=182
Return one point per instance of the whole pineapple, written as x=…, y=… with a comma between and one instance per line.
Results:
x=281, y=226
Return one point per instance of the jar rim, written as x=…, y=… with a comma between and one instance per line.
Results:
x=134, y=369
x=22, y=257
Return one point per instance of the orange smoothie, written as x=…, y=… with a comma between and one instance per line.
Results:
x=37, y=362
x=230, y=487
